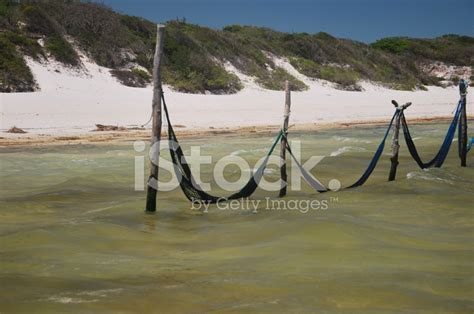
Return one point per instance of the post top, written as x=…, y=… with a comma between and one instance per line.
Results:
x=405, y=106
x=160, y=26
x=463, y=87
x=402, y=107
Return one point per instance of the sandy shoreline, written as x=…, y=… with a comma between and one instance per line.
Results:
x=113, y=137
x=71, y=102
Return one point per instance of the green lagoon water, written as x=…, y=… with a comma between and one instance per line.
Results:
x=74, y=237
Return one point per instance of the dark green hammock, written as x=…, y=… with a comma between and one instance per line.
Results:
x=189, y=186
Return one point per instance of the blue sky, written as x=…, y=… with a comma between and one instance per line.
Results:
x=363, y=20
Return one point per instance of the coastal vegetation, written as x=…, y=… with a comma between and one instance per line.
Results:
x=196, y=57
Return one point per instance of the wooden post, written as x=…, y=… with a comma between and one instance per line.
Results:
x=283, y=143
x=156, y=128
x=463, y=123
x=395, y=140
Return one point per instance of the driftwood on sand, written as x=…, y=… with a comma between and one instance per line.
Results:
x=104, y=127
x=16, y=130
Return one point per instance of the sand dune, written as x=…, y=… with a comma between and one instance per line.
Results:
x=73, y=101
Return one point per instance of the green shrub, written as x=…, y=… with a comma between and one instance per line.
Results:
x=345, y=78
x=306, y=67
x=453, y=49
x=27, y=45
x=215, y=80
x=233, y=28
x=130, y=78
x=188, y=64
x=143, y=74
x=62, y=50
x=38, y=21
x=275, y=80
x=15, y=75
x=393, y=45
x=221, y=82
x=3, y=9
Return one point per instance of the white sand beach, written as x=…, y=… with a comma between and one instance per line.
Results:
x=71, y=102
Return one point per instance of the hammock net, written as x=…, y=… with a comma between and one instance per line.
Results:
x=189, y=186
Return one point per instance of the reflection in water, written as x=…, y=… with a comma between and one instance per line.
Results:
x=75, y=238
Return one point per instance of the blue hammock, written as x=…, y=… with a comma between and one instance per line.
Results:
x=440, y=157
x=375, y=159
x=318, y=186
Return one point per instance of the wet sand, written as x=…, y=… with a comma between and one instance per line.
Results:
x=38, y=139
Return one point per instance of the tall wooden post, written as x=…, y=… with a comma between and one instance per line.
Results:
x=283, y=143
x=156, y=128
x=395, y=140
x=463, y=123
